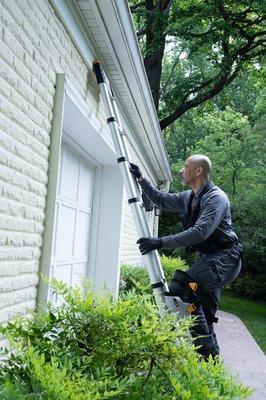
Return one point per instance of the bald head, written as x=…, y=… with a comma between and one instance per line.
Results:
x=202, y=161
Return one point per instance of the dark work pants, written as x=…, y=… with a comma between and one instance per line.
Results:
x=212, y=272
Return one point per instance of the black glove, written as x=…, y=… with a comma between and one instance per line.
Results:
x=134, y=169
x=148, y=244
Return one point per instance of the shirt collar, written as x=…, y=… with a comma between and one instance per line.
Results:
x=198, y=192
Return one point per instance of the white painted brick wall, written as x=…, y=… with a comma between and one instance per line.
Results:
x=34, y=46
x=129, y=249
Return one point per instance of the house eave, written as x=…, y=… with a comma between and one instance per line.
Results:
x=144, y=100
x=120, y=55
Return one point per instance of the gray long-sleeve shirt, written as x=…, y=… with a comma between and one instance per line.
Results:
x=214, y=214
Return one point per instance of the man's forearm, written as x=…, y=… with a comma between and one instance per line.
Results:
x=166, y=201
x=188, y=237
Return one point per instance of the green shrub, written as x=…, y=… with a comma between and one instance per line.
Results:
x=171, y=264
x=94, y=348
x=54, y=380
x=137, y=277
x=134, y=278
x=253, y=287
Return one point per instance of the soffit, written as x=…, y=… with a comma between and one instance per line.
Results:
x=109, y=28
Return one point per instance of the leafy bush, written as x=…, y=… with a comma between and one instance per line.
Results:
x=171, y=264
x=137, y=277
x=251, y=287
x=134, y=278
x=94, y=348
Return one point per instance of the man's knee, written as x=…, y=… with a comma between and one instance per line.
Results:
x=184, y=287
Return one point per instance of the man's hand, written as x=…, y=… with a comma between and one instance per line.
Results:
x=148, y=244
x=136, y=172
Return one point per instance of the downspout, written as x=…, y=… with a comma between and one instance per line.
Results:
x=54, y=163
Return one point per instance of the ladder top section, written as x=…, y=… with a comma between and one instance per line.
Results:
x=97, y=69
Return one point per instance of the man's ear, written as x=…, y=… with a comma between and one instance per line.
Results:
x=199, y=171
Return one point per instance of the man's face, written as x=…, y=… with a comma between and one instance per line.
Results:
x=189, y=172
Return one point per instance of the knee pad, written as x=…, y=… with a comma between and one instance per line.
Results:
x=184, y=287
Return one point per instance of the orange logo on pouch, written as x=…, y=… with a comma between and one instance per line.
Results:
x=191, y=308
x=193, y=286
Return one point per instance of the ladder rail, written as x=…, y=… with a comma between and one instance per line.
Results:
x=144, y=216
x=153, y=264
x=165, y=301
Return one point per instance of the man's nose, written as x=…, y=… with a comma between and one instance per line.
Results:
x=181, y=171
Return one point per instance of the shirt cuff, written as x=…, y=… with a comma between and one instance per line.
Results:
x=144, y=183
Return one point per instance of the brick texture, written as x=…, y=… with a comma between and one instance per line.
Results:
x=129, y=249
x=34, y=46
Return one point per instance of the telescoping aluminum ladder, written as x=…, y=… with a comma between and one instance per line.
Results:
x=155, y=271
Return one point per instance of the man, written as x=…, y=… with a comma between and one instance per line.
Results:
x=206, y=217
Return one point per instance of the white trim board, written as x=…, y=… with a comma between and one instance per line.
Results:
x=82, y=127
x=54, y=162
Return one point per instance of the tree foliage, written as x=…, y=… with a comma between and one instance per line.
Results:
x=193, y=49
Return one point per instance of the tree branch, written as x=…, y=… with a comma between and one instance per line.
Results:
x=152, y=363
x=142, y=32
x=254, y=21
x=194, y=34
x=136, y=6
x=166, y=5
x=249, y=56
x=222, y=81
x=239, y=16
x=227, y=17
x=250, y=45
x=225, y=43
x=171, y=72
x=262, y=33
